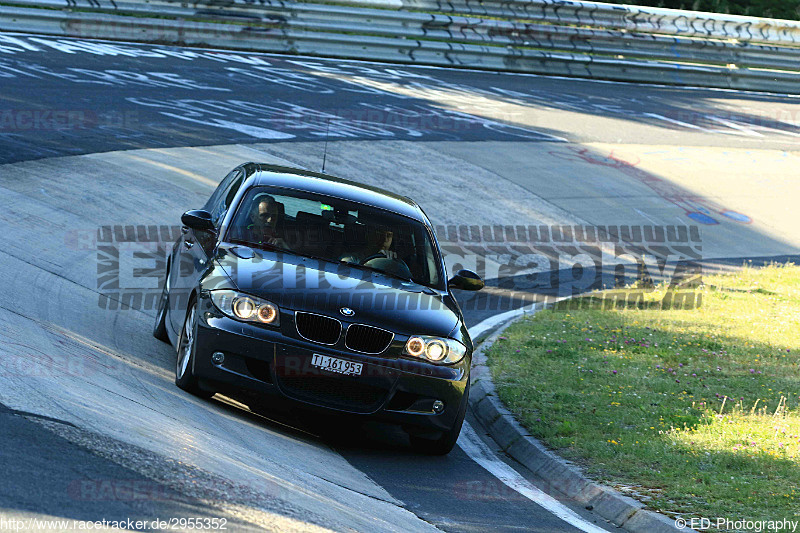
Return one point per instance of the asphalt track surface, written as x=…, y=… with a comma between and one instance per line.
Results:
x=74, y=446
x=97, y=97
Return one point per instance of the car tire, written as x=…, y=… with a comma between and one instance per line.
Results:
x=160, y=326
x=187, y=347
x=444, y=444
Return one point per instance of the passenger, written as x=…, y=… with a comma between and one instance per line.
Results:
x=379, y=242
x=384, y=243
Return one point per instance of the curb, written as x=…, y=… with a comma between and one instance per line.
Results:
x=622, y=511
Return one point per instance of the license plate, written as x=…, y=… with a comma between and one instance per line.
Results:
x=334, y=364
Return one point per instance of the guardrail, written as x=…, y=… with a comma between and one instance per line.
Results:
x=586, y=39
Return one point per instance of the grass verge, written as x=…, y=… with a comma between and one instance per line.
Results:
x=694, y=412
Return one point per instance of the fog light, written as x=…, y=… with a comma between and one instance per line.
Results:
x=217, y=358
x=438, y=406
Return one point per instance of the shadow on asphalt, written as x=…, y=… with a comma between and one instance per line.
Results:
x=51, y=478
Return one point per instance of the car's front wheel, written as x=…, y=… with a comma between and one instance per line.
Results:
x=187, y=346
x=445, y=443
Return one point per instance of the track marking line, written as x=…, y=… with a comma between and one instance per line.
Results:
x=478, y=451
x=645, y=216
x=485, y=325
x=192, y=175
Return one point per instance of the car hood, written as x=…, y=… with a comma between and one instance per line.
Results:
x=304, y=284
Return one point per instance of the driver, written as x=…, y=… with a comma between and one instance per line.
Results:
x=264, y=222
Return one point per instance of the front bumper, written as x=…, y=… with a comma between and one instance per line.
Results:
x=265, y=361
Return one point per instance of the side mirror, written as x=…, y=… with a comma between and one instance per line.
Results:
x=198, y=219
x=466, y=280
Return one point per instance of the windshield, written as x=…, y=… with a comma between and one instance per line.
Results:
x=336, y=230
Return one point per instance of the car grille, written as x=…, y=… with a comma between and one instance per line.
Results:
x=334, y=392
x=318, y=328
x=367, y=339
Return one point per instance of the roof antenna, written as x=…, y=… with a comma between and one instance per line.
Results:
x=325, y=150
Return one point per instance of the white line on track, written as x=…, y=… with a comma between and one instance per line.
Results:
x=478, y=451
x=478, y=329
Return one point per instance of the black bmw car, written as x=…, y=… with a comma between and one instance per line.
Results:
x=324, y=291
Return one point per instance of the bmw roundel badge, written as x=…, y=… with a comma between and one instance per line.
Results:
x=346, y=311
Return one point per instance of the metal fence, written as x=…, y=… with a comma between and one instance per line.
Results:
x=585, y=39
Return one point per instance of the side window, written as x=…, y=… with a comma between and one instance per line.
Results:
x=222, y=197
x=215, y=196
x=237, y=183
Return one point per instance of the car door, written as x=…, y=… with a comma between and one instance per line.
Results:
x=195, y=248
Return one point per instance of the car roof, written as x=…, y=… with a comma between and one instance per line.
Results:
x=315, y=182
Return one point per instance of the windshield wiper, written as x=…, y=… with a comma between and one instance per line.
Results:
x=272, y=247
x=261, y=246
x=378, y=270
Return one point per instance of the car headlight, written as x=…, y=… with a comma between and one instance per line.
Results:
x=435, y=349
x=245, y=307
